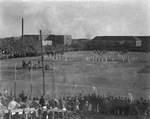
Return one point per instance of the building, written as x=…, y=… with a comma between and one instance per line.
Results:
x=138, y=41
x=80, y=40
x=130, y=43
x=67, y=40
x=46, y=40
x=47, y=43
x=31, y=37
x=145, y=46
x=61, y=40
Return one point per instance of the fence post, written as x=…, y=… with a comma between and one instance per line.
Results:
x=53, y=114
x=40, y=113
x=9, y=114
x=57, y=114
x=44, y=114
x=62, y=115
x=30, y=115
x=50, y=114
x=68, y=115
x=33, y=114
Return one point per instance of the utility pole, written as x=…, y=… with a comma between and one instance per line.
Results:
x=15, y=82
x=43, y=67
x=22, y=28
x=0, y=71
x=31, y=82
x=53, y=81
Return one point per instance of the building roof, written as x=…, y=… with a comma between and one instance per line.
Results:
x=31, y=36
x=116, y=38
x=137, y=38
x=80, y=39
x=44, y=37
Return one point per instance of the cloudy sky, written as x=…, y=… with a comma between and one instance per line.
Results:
x=86, y=18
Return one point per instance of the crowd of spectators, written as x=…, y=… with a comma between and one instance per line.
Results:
x=83, y=104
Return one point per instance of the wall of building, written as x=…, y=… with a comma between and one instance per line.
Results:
x=47, y=43
x=114, y=42
x=61, y=40
x=67, y=40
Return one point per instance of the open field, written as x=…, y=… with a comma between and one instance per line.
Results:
x=111, y=77
x=102, y=116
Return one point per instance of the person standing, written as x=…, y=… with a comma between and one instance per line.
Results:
x=2, y=108
x=13, y=104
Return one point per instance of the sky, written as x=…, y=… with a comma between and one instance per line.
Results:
x=79, y=18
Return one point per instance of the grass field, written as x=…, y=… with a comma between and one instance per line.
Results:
x=115, y=78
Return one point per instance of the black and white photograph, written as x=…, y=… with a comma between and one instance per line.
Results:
x=74, y=59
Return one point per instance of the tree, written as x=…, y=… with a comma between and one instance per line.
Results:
x=49, y=49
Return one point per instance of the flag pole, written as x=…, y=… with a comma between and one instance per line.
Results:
x=15, y=82
x=42, y=58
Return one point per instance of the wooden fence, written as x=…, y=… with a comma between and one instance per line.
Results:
x=41, y=113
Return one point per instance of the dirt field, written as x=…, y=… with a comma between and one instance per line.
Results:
x=115, y=78
x=101, y=116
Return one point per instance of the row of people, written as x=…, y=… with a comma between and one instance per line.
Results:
x=95, y=57
x=93, y=103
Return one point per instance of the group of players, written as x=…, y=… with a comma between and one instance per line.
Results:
x=95, y=56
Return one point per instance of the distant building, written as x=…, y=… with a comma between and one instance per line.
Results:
x=36, y=38
x=145, y=43
x=47, y=43
x=138, y=41
x=49, y=37
x=33, y=37
x=80, y=40
x=46, y=40
x=61, y=40
x=117, y=42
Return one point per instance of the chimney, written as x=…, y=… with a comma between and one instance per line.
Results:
x=22, y=28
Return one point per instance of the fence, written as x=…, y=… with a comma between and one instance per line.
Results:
x=41, y=113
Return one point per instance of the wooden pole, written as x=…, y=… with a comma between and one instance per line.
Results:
x=43, y=67
x=1, y=72
x=31, y=82
x=53, y=80
x=1, y=81
x=22, y=28
x=15, y=82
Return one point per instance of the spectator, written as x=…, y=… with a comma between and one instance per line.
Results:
x=42, y=101
x=2, y=108
x=22, y=95
x=27, y=102
x=22, y=104
x=76, y=104
x=13, y=104
x=35, y=103
x=62, y=103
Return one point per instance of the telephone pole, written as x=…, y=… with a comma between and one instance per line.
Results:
x=15, y=82
x=43, y=67
x=22, y=28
